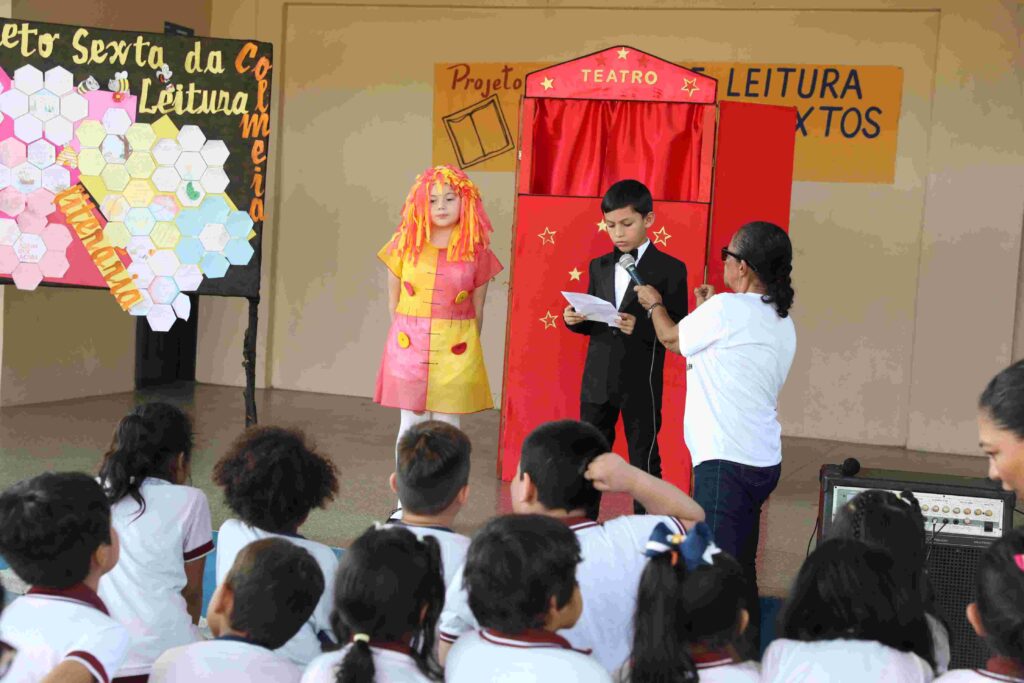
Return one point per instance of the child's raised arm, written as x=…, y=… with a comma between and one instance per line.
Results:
x=609, y=472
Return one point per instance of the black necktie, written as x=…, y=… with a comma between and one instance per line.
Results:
x=618, y=254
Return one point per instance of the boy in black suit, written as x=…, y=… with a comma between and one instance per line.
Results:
x=618, y=375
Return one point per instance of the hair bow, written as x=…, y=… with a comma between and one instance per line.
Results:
x=696, y=548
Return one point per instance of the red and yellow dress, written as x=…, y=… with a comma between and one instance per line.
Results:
x=432, y=357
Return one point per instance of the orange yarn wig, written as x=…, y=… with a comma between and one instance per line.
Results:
x=473, y=232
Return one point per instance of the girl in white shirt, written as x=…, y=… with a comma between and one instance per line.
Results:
x=849, y=619
x=156, y=589
x=690, y=613
x=895, y=524
x=387, y=599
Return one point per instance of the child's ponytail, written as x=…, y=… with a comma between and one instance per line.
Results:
x=658, y=653
x=145, y=444
x=357, y=664
x=1000, y=591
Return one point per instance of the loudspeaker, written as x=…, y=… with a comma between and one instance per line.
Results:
x=963, y=515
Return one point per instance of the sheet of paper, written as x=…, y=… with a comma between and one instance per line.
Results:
x=593, y=308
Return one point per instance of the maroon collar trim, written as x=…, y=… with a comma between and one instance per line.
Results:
x=712, y=658
x=79, y=593
x=530, y=638
x=578, y=523
x=401, y=648
x=1003, y=668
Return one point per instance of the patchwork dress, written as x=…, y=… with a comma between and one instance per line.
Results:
x=432, y=356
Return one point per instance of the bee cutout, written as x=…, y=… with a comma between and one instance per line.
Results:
x=163, y=74
x=68, y=157
x=119, y=85
x=89, y=85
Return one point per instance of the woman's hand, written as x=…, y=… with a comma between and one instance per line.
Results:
x=647, y=295
x=703, y=293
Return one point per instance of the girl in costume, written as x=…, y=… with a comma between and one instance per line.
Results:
x=440, y=263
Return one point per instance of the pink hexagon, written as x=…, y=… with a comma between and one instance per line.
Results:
x=12, y=152
x=27, y=276
x=56, y=236
x=54, y=264
x=31, y=222
x=40, y=202
x=8, y=259
x=12, y=202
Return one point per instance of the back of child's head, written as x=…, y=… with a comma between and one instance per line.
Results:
x=389, y=589
x=146, y=443
x=51, y=526
x=514, y=566
x=556, y=456
x=688, y=597
x=1000, y=595
x=628, y=194
x=272, y=478
x=276, y=586
x=848, y=590
x=433, y=466
x=894, y=524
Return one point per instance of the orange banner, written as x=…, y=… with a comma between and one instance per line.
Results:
x=847, y=116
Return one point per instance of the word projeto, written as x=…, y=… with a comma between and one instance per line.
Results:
x=77, y=208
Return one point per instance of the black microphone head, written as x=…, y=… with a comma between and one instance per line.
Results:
x=627, y=261
x=850, y=467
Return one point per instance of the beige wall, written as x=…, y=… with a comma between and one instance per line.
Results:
x=64, y=343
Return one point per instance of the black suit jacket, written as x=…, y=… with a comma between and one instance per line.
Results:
x=618, y=364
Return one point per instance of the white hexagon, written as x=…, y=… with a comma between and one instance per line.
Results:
x=166, y=151
x=14, y=103
x=27, y=178
x=5, y=177
x=215, y=152
x=59, y=131
x=143, y=276
x=214, y=237
x=28, y=79
x=115, y=149
x=143, y=307
x=164, y=263
x=163, y=289
x=29, y=248
x=182, y=306
x=116, y=121
x=140, y=247
x=44, y=105
x=166, y=179
x=9, y=232
x=191, y=138
x=41, y=154
x=74, y=107
x=215, y=180
x=28, y=128
x=56, y=179
x=188, y=277
x=161, y=317
x=59, y=80
x=190, y=165
x=190, y=193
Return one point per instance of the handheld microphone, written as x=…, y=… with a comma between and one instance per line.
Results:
x=850, y=467
x=628, y=264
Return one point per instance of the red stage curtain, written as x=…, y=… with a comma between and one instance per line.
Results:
x=580, y=147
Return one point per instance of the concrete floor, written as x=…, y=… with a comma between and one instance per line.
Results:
x=359, y=436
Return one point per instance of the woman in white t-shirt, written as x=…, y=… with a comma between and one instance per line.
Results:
x=156, y=589
x=739, y=347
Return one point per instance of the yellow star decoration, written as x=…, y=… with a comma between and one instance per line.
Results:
x=623, y=53
x=548, y=83
x=547, y=237
x=689, y=86
x=602, y=227
x=661, y=237
x=548, y=320
x=574, y=274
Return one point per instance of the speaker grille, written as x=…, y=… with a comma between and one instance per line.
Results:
x=952, y=570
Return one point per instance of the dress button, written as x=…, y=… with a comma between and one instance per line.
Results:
x=403, y=340
x=410, y=290
x=459, y=348
x=461, y=296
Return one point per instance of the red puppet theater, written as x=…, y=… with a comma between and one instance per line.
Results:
x=590, y=122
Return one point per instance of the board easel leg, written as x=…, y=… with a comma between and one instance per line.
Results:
x=249, y=362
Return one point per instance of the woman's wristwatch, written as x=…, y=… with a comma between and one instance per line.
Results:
x=650, y=311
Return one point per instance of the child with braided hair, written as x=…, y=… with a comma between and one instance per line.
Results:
x=439, y=262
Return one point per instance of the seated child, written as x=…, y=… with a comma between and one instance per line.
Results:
x=269, y=593
x=520, y=574
x=895, y=524
x=563, y=469
x=387, y=598
x=847, y=619
x=7, y=651
x=998, y=613
x=56, y=535
x=164, y=527
x=690, y=613
x=432, y=483
x=272, y=480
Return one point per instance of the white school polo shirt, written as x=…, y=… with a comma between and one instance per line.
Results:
x=392, y=664
x=532, y=657
x=143, y=591
x=715, y=669
x=306, y=644
x=738, y=354
x=608, y=575
x=49, y=626
x=977, y=676
x=841, y=661
x=453, y=545
x=224, y=660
